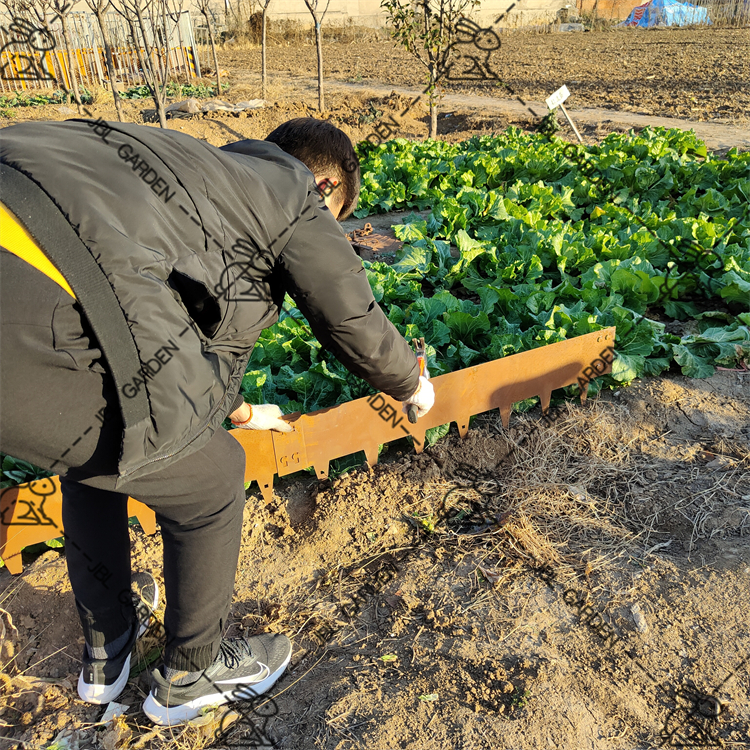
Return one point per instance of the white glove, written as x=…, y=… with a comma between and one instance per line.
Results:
x=264, y=417
x=423, y=398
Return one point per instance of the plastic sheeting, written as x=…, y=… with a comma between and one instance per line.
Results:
x=666, y=13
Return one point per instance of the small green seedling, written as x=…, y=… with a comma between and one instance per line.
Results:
x=426, y=523
x=519, y=700
x=388, y=657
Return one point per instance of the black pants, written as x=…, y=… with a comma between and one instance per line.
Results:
x=59, y=410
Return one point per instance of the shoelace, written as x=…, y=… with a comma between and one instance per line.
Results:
x=233, y=650
x=143, y=611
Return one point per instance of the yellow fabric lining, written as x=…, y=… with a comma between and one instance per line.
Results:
x=18, y=241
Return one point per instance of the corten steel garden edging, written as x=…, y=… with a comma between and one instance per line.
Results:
x=362, y=425
x=31, y=513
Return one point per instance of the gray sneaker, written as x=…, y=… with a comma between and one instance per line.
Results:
x=243, y=669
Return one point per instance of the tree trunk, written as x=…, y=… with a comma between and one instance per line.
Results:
x=110, y=65
x=319, y=50
x=162, y=91
x=57, y=69
x=164, y=34
x=162, y=114
x=148, y=70
x=263, y=73
x=213, y=50
x=432, y=96
x=69, y=59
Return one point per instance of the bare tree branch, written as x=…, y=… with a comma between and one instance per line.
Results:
x=62, y=9
x=99, y=8
x=263, y=46
x=146, y=20
x=205, y=10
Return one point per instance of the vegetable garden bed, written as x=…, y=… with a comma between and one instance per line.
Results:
x=543, y=254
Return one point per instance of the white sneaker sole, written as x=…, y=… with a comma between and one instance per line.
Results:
x=169, y=716
x=99, y=694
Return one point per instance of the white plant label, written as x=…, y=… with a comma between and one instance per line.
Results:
x=558, y=97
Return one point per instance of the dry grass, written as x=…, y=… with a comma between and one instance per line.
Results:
x=102, y=95
x=561, y=496
x=558, y=499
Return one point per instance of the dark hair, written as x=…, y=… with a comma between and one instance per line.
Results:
x=323, y=149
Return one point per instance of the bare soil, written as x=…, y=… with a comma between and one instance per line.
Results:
x=357, y=113
x=640, y=504
x=703, y=76
x=697, y=74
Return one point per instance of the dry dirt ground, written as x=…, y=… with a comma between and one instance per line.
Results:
x=697, y=74
x=359, y=113
x=354, y=112
x=638, y=502
x=703, y=76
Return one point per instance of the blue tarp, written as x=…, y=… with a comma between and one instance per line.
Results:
x=666, y=13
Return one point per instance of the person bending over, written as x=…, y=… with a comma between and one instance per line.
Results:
x=138, y=267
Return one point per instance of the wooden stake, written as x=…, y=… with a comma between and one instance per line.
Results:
x=570, y=122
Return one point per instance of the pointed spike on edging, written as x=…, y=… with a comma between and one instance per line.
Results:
x=463, y=426
x=371, y=454
x=321, y=471
x=417, y=436
x=584, y=393
x=544, y=399
x=265, y=486
x=505, y=415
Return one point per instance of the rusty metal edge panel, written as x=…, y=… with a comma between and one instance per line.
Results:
x=364, y=424
x=260, y=458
